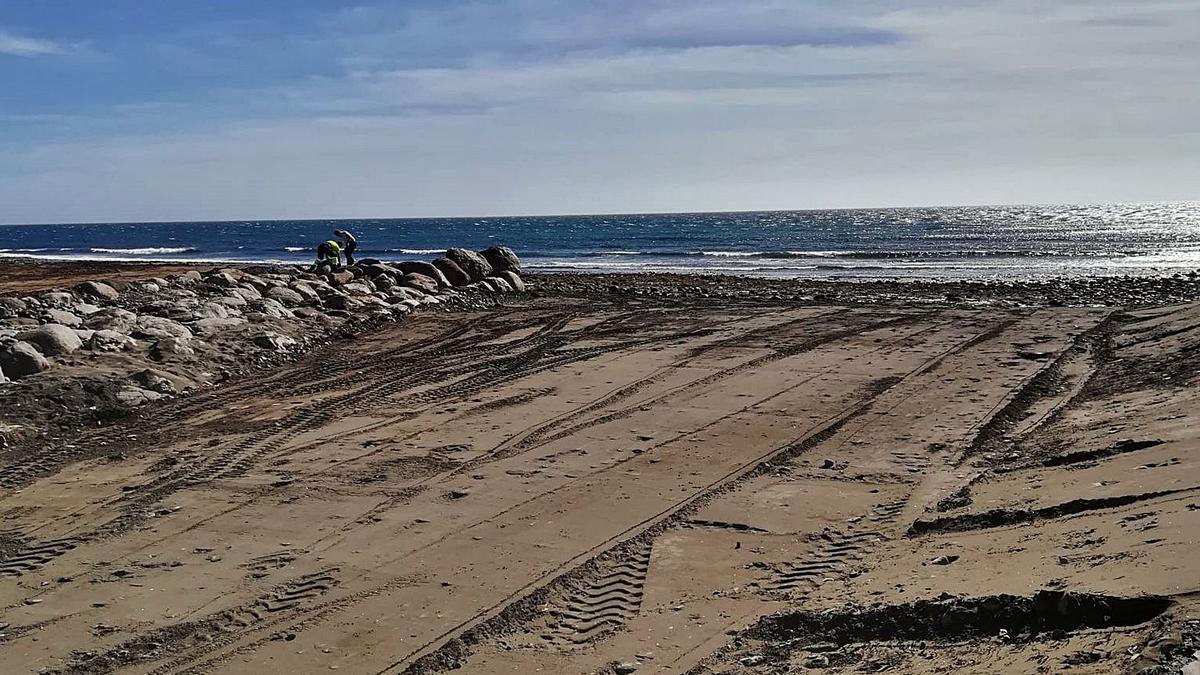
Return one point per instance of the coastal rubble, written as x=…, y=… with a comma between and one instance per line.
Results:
x=200, y=328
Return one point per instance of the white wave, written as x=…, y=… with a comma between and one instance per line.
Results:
x=293, y=249
x=416, y=251
x=732, y=254
x=143, y=251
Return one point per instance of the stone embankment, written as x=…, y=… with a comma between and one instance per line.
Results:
x=101, y=347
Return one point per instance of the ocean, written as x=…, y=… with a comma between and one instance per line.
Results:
x=941, y=242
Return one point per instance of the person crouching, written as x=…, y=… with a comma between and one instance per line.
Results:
x=328, y=253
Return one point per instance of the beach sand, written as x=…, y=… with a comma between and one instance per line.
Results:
x=639, y=476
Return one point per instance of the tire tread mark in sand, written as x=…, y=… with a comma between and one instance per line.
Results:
x=605, y=603
x=969, y=522
x=32, y=556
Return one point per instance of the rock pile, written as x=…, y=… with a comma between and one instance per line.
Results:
x=195, y=317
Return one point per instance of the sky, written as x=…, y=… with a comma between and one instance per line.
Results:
x=150, y=110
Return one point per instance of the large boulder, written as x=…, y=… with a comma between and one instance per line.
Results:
x=111, y=318
x=304, y=290
x=62, y=316
x=20, y=359
x=57, y=299
x=420, y=282
x=471, y=262
x=340, y=277
x=168, y=347
x=110, y=341
x=207, y=327
x=513, y=279
x=247, y=292
x=156, y=327
x=274, y=341
x=285, y=296
x=341, y=302
x=14, y=305
x=97, y=289
x=453, y=273
x=428, y=269
x=52, y=339
x=356, y=288
x=501, y=258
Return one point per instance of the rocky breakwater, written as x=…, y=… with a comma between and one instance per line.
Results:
x=80, y=355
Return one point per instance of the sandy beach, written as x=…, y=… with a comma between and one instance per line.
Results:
x=619, y=474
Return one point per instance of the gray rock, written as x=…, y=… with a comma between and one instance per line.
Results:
x=85, y=334
x=85, y=309
x=272, y=308
x=191, y=276
x=63, y=317
x=210, y=310
x=355, y=288
x=221, y=278
x=420, y=282
x=96, y=289
x=304, y=290
x=150, y=287
x=501, y=258
x=274, y=341
x=625, y=668
x=156, y=327
x=160, y=381
x=58, y=299
x=167, y=347
x=428, y=269
x=208, y=327
x=14, y=304
x=247, y=292
x=341, y=302
x=111, y=318
x=307, y=312
x=21, y=359
x=500, y=284
x=513, y=279
x=231, y=301
x=52, y=339
x=452, y=272
x=136, y=396
x=285, y=296
x=111, y=341
x=471, y=262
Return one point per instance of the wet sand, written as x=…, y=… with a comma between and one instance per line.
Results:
x=669, y=475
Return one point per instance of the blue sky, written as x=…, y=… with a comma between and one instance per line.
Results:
x=174, y=109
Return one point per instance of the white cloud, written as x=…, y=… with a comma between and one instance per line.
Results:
x=12, y=44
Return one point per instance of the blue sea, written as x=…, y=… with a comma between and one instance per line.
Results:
x=942, y=242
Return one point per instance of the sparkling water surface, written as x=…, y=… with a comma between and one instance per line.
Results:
x=936, y=242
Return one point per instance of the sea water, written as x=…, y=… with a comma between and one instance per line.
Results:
x=941, y=242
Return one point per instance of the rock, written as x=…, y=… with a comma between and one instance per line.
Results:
x=3, y=380
x=340, y=277
x=285, y=296
x=471, y=262
x=110, y=341
x=501, y=258
x=489, y=285
x=166, y=347
x=514, y=280
x=156, y=327
x=428, y=269
x=57, y=299
x=943, y=560
x=85, y=309
x=96, y=289
x=111, y=318
x=231, y=301
x=453, y=273
x=247, y=292
x=14, y=305
x=625, y=668
x=159, y=381
x=136, y=396
x=355, y=288
x=221, y=278
x=274, y=341
x=208, y=327
x=84, y=334
x=751, y=661
x=304, y=290
x=191, y=276
x=307, y=312
x=420, y=282
x=341, y=302
x=52, y=339
x=63, y=317
x=20, y=359
x=273, y=308
x=500, y=284
x=378, y=269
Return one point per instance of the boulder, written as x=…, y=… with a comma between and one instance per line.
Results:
x=85, y=309
x=52, y=339
x=502, y=258
x=210, y=310
x=159, y=381
x=274, y=341
x=110, y=341
x=471, y=262
x=84, y=334
x=340, y=277
x=20, y=359
x=356, y=288
x=308, y=312
x=57, y=299
x=273, y=308
x=167, y=347
x=156, y=327
x=428, y=269
x=61, y=316
x=384, y=281
x=247, y=292
x=14, y=305
x=419, y=282
x=453, y=273
x=285, y=296
x=341, y=302
x=231, y=301
x=97, y=289
x=513, y=280
x=221, y=279
x=304, y=290
x=489, y=285
x=207, y=327
x=500, y=284
x=136, y=396
x=111, y=318
x=191, y=276
x=379, y=269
